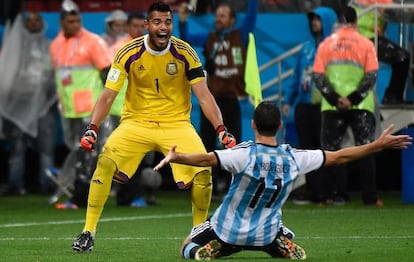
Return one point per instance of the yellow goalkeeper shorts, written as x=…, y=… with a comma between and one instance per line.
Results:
x=131, y=140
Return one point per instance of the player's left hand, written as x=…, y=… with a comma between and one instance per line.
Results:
x=88, y=139
x=225, y=138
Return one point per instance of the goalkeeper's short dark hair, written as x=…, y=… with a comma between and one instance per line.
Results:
x=160, y=7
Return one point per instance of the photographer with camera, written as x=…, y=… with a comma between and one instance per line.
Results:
x=225, y=55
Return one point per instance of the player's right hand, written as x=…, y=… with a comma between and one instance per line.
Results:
x=88, y=139
x=225, y=138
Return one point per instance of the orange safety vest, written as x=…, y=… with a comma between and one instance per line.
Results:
x=344, y=58
x=77, y=62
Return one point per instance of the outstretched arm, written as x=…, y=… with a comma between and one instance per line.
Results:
x=208, y=104
x=201, y=159
x=213, y=114
x=100, y=111
x=102, y=106
x=386, y=140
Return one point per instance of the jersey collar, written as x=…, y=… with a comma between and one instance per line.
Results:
x=153, y=52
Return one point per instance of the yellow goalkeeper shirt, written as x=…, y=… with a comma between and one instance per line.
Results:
x=158, y=81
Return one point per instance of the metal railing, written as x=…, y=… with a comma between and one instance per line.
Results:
x=281, y=75
x=279, y=60
x=401, y=19
x=277, y=80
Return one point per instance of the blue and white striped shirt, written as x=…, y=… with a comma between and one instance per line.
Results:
x=263, y=177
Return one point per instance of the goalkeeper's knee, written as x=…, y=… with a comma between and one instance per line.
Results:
x=100, y=188
x=201, y=190
x=105, y=170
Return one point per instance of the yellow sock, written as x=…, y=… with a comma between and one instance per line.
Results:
x=201, y=196
x=99, y=192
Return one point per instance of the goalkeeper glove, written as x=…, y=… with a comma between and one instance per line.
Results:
x=88, y=139
x=225, y=138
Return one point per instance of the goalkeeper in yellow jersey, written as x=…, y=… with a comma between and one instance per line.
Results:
x=161, y=71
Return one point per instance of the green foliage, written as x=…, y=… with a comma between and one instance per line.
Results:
x=32, y=230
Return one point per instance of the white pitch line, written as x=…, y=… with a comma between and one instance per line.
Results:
x=66, y=222
x=356, y=237
x=339, y=209
x=72, y=238
x=180, y=238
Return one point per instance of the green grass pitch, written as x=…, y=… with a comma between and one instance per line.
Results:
x=32, y=230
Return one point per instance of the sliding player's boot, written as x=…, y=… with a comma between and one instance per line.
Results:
x=209, y=251
x=288, y=249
